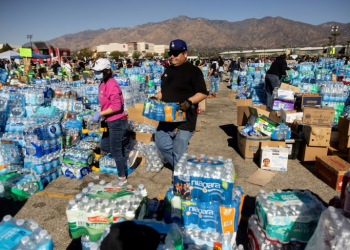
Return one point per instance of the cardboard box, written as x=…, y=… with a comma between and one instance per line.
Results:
x=257, y=112
x=288, y=86
x=317, y=135
x=24, y=79
x=249, y=145
x=260, y=177
x=144, y=137
x=136, y=115
x=26, y=61
x=28, y=68
x=275, y=116
x=344, y=140
x=343, y=143
x=344, y=125
x=274, y=158
x=243, y=111
x=265, y=125
x=331, y=170
x=310, y=153
x=335, y=135
x=307, y=100
x=337, y=152
x=289, y=116
x=203, y=105
x=281, y=104
x=297, y=127
x=285, y=94
x=273, y=144
x=321, y=116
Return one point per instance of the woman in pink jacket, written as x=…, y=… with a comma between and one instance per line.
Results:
x=112, y=108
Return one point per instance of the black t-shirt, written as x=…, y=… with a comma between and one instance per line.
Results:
x=54, y=67
x=278, y=67
x=179, y=84
x=213, y=66
x=82, y=65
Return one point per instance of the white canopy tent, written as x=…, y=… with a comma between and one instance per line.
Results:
x=9, y=54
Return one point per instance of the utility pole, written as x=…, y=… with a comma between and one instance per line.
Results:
x=334, y=33
x=30, y=39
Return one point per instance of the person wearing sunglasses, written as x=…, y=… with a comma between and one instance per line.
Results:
x=182, y=83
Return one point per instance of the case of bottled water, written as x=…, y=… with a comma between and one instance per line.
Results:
x=205, y=201
x=25, y=234
x=74, y=171
x=257, y=239
x=197, y=239
x=332, y=232
x=10, y=157
x=19, y=186
x=99, y=205
x=108, y=165
x=288, y=216
x=154, y=159
x=78, y=157
x=161, y=111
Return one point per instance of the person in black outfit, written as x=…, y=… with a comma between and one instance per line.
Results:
x=2, y=64
x=274, y=76
x=182, y=83
x=221, y=68
x=231, y=68
x=54, y=67
x=136, y=63
x=13, y=64
x=82, y=65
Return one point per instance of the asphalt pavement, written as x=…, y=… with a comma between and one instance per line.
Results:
x=217, y=136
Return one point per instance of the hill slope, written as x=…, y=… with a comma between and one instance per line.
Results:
x=270, y=32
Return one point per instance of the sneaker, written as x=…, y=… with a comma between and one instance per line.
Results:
x=123, y=179
x=216, y=95
x=210, y=96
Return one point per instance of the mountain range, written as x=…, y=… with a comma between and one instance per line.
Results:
x=199, y=33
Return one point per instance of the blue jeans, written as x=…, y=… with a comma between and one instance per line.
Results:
x=271, y=82
x=221, y=74
x=212, y=81
x=231, y=77
x=172, y=146
x=112, y=142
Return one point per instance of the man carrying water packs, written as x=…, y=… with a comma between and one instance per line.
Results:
x=112, y=108
x=183, y=83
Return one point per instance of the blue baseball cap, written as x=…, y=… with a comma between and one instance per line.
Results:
x=178, y=45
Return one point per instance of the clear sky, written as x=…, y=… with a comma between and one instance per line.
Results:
x=49, y=19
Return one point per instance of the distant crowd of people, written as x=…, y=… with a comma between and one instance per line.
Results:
x=7, y=64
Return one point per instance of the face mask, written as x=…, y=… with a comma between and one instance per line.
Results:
x=98, y=75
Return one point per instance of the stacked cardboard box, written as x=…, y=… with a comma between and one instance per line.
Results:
x=331, y=170
x=27, y=66
x=316, y=131
x=249, y=146
x=344, y=134
x=136, y=115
